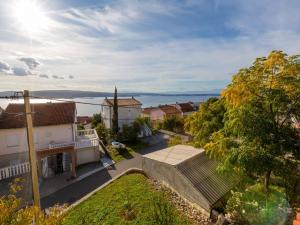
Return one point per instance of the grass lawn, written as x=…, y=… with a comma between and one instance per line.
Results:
x=131, y=193
x=127, y=153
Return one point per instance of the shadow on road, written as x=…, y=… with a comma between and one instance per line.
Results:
x=72, y=193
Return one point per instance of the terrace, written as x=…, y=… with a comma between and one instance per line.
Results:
x=84, y=139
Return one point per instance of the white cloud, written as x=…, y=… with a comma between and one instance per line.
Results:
x=4, y=67
x=32, y=63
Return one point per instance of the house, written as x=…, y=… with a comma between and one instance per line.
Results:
x=157, y=114
x=85, y=121
x=128, y=110
x=191, y=173
x=59, y=146
x=185, y=108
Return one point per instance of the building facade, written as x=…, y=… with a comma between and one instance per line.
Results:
x=59, y=145
x=128, y=110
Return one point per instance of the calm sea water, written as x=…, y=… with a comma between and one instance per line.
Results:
x=146, y=100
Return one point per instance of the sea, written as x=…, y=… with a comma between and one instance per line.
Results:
x=146, y=100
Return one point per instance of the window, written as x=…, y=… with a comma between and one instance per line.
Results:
x=12, y=140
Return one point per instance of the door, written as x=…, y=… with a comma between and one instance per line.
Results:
x=59, y=163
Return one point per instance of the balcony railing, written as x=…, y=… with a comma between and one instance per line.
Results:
x=14, y=170
x=84, y=139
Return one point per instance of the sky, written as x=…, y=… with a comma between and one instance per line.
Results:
x=150, y=45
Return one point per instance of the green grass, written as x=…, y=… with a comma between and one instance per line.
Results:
x=106, y=206
x=127, y=153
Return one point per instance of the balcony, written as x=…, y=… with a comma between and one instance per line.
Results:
x=83, y=139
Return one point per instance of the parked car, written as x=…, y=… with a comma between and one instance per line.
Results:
x=118, y=145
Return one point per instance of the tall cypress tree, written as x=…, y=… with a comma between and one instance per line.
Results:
x=115, y=125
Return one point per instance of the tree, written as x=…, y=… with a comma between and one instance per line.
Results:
x=130, y=132
x=103, y=132
x=172, y=123
x=262, y=101
x=115, y=125
x=97, y=118
x=209, y=119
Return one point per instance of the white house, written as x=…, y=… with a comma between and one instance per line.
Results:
x=128, y=110
x=59, y=145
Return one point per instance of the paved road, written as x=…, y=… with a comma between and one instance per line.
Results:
x=75, y=191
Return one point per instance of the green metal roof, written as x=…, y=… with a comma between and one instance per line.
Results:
x=201, y=172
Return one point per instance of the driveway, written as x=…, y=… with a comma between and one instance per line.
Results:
x=77, y=190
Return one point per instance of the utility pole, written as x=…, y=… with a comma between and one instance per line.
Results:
x=31, y=148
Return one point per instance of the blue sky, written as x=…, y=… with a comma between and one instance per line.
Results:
x=156, y=46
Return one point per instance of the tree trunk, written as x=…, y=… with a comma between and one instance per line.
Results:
x=267, y=181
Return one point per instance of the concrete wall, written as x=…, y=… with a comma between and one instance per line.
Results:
x=13, y=142
x=125, y=115
x=87, y=155
x=171, y=177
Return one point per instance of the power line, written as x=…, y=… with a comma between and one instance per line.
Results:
x=78, y=102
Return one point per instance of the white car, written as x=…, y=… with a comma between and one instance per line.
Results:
x=118, y=145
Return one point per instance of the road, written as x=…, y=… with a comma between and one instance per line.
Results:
x=77, y=190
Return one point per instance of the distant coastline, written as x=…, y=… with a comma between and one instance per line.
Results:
x=93, y=94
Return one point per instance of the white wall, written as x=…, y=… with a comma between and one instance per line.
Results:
x=17, y=138
x=125, y=115
x=87, y=155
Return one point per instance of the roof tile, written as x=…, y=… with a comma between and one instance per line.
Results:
x=44, y=114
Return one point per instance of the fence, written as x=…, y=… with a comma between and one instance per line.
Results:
x=15, y=170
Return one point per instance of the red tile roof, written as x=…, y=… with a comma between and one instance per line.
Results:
x=169, y=109
x=123, y=102
x=44, y=114
x=84, y=119
x=186, y=107
x=148, y=110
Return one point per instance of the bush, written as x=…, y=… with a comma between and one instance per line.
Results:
x=80, y=126
x=253, y=206
x=175, y=140
x=97, y=118
x=173, y=123
x=144, y=120
x=129, y=133
x=15, y=211
x=102, y=132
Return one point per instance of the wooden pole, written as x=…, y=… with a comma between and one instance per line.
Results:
x=31, y=148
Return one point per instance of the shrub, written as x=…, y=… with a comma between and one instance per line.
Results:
x=175, y=140
x=129, y=133
x=173, y=123
x=97, y=118
x=103, y=132
x=15, y=211
x=80, y=126
x=253, y=206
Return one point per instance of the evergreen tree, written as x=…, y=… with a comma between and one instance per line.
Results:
x=115, y=125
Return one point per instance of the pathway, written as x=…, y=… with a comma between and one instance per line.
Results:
x=75, y=191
